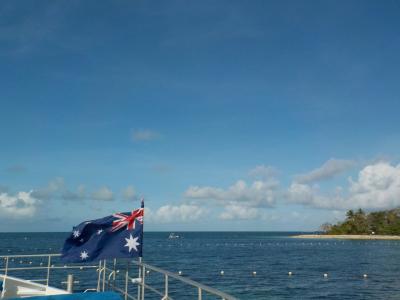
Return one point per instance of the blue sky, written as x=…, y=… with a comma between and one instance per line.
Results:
x=224, y=115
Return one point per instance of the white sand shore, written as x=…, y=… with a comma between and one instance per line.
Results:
x=348, y=237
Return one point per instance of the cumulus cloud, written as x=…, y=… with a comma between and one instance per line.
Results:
x=310, y=195
x=235, y=212
x=79, y=194
x=57, y=189
x=54, y=186
x=23, y=204
x=241, y=200
x=377, y=187
x=103, y=194
x=259, y=193
x=329, y=169
x=139, y=135
x=129, y=193
x=176, y=213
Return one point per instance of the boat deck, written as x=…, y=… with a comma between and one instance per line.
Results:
x=130, y=279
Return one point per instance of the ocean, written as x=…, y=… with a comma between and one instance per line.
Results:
x=272, y=255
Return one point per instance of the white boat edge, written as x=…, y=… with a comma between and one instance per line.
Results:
x=14, y=287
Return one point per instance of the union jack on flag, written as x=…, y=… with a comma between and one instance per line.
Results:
x=128, y=220
x=116, y=236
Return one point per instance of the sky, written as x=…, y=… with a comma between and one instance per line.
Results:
x=223, y=115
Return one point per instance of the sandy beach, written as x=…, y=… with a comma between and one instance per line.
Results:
x=348, y=237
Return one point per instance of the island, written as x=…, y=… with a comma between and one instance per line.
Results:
x=359, y=225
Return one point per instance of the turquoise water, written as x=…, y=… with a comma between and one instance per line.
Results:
x=202, y=255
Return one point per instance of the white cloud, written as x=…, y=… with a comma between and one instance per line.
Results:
x=129, y=193
x=259, y=193
x=23, y=204
x=54, y=186
x=103, y=194
x=377, y=187
x=57, y=189
x=79, y=194
x=242, y=200
x=329, y=169
x=310, y=195
x=139, y=135
x=175, y=213
x=234, y=212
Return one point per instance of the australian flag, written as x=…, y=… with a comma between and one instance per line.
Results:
x=117, y=236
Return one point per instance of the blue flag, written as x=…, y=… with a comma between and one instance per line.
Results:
x=117, y=236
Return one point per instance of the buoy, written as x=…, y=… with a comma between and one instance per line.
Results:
x=30, y=262
x=117, y=271
x=325, y=275
x=222, y=272
x=365, y=275
x=81, y=268
x=290, y=273
x=148, y=272
x=136, y=280
x=179, y=272
x=254, y=273
x=41, y=264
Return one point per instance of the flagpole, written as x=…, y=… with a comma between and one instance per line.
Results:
x=141, y=274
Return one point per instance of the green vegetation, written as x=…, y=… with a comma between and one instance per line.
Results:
x=380, y=222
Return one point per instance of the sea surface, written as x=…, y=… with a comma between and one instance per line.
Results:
x=272, y=255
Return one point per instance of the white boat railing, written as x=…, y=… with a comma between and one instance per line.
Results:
x=110, y=275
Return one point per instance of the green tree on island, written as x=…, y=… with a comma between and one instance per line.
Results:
x=380, y=222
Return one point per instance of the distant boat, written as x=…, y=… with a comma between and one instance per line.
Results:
x=173, y=236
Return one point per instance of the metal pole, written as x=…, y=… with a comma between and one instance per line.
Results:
x=143, y=277
x=99, y=277
x=139, y=292
x=5, y=274
x=70, y=283
x=200, y=296
x=48, y=270
x=126, y=280
x=114, y=271
x=104, y=275
x=166, y=287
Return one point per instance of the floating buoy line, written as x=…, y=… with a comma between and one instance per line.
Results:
x=180, y=273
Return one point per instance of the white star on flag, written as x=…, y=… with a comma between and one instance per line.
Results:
x=84, y=255
x=76, y=234
x=132, y=243
x=99, y=231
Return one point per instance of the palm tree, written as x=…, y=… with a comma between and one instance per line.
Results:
x=350, y=214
